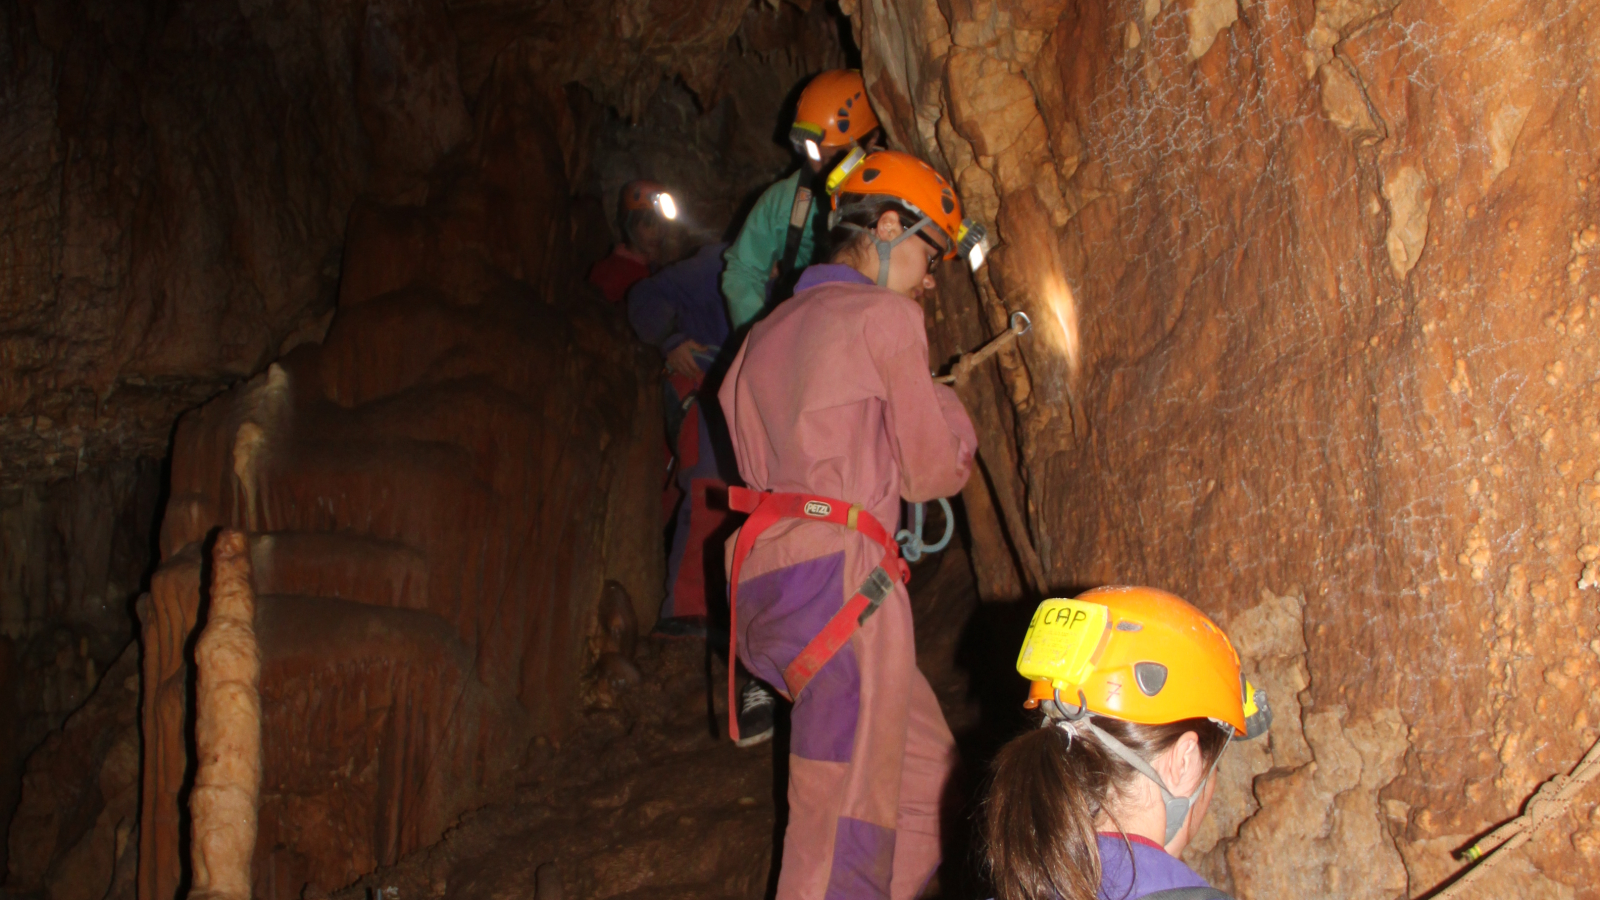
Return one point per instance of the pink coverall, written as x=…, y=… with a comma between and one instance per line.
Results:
x=831, y=395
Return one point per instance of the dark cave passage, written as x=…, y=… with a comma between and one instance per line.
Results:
x=1310, y=283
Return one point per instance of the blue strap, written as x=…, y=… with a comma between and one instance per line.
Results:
x=910, y=540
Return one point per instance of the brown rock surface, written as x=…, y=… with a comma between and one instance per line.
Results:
x=176, y=191
x=75, y=553
x=1317, y=296
x=432, y=493
x=76, y=838
x=1314, y=286
x=178, y=178
x=437, y=491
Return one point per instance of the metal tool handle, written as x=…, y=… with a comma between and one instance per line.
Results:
x=1018, y=325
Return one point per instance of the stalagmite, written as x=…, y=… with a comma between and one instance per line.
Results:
x=227, y=730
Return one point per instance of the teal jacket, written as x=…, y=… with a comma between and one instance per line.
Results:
x=760, y=243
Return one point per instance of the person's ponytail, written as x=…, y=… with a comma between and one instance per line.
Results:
x=1048, y=791
x=1040, y=816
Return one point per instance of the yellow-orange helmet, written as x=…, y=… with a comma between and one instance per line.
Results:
x=1141, y=655
x=890, y=173
x=833, y=112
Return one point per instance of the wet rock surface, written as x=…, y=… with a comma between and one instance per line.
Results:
x=437, y=494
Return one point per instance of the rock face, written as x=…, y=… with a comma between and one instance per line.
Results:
x=437, y=493
x=75, y=553
x=1315, y=284
x=76, y=837
x=717, y=150
x=176, y=192
x=436, y=484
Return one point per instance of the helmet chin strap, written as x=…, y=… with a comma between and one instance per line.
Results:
x=1176, y=808
x=885, y=248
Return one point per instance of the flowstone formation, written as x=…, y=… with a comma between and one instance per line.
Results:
x=1315, y=287
x=436, y=494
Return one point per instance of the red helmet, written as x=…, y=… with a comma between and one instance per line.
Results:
x=643, y=194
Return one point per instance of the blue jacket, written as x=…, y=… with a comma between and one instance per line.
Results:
x=681, y=302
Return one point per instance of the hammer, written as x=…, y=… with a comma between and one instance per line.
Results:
x=1019, y=325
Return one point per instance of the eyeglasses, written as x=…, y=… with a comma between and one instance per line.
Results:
x=938, y=251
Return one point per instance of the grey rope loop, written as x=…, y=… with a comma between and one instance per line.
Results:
x=910, y=540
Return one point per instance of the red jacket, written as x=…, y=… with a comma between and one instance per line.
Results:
x=618, y=272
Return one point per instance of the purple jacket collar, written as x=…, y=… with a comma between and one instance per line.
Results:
x=823, y=273
x=1149, y=869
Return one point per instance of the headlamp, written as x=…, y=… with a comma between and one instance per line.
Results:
x=972, y=243
x=665, y=205
x=806, y=139
x=842, y=171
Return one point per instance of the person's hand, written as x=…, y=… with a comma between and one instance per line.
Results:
x=963, y=368
x=681, y=360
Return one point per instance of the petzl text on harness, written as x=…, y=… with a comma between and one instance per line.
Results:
x=767, y=509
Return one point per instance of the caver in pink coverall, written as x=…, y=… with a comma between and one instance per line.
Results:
x=831, y=395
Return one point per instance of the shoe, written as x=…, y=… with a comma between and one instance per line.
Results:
x=756, y=706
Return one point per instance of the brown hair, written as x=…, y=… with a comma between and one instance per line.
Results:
x=1048, y=788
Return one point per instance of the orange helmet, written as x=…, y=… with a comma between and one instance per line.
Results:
x=643, y=194
x=833, y=112
x=1140, y=655
x=890, y=173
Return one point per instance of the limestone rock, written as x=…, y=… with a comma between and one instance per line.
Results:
x=74, y=838
x=1319, y=306
x=1207, y=19
x=1410, y=200
x=431, y=489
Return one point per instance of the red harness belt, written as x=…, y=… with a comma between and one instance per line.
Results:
x=765, y=509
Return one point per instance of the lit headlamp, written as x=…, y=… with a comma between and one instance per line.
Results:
x=807, y=140
x=665, y=205
x=972, y=244
x=849, y=164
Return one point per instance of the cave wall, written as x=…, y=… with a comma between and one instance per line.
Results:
x=428, y=491
x=437, y=486
x=718, y=150
x=75, y=552
x=177, y=181
x=1313, y=286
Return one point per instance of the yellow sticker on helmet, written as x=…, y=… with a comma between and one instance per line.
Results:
x=1063, y=641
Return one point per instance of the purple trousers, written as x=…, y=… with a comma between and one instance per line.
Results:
x=870, y=752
